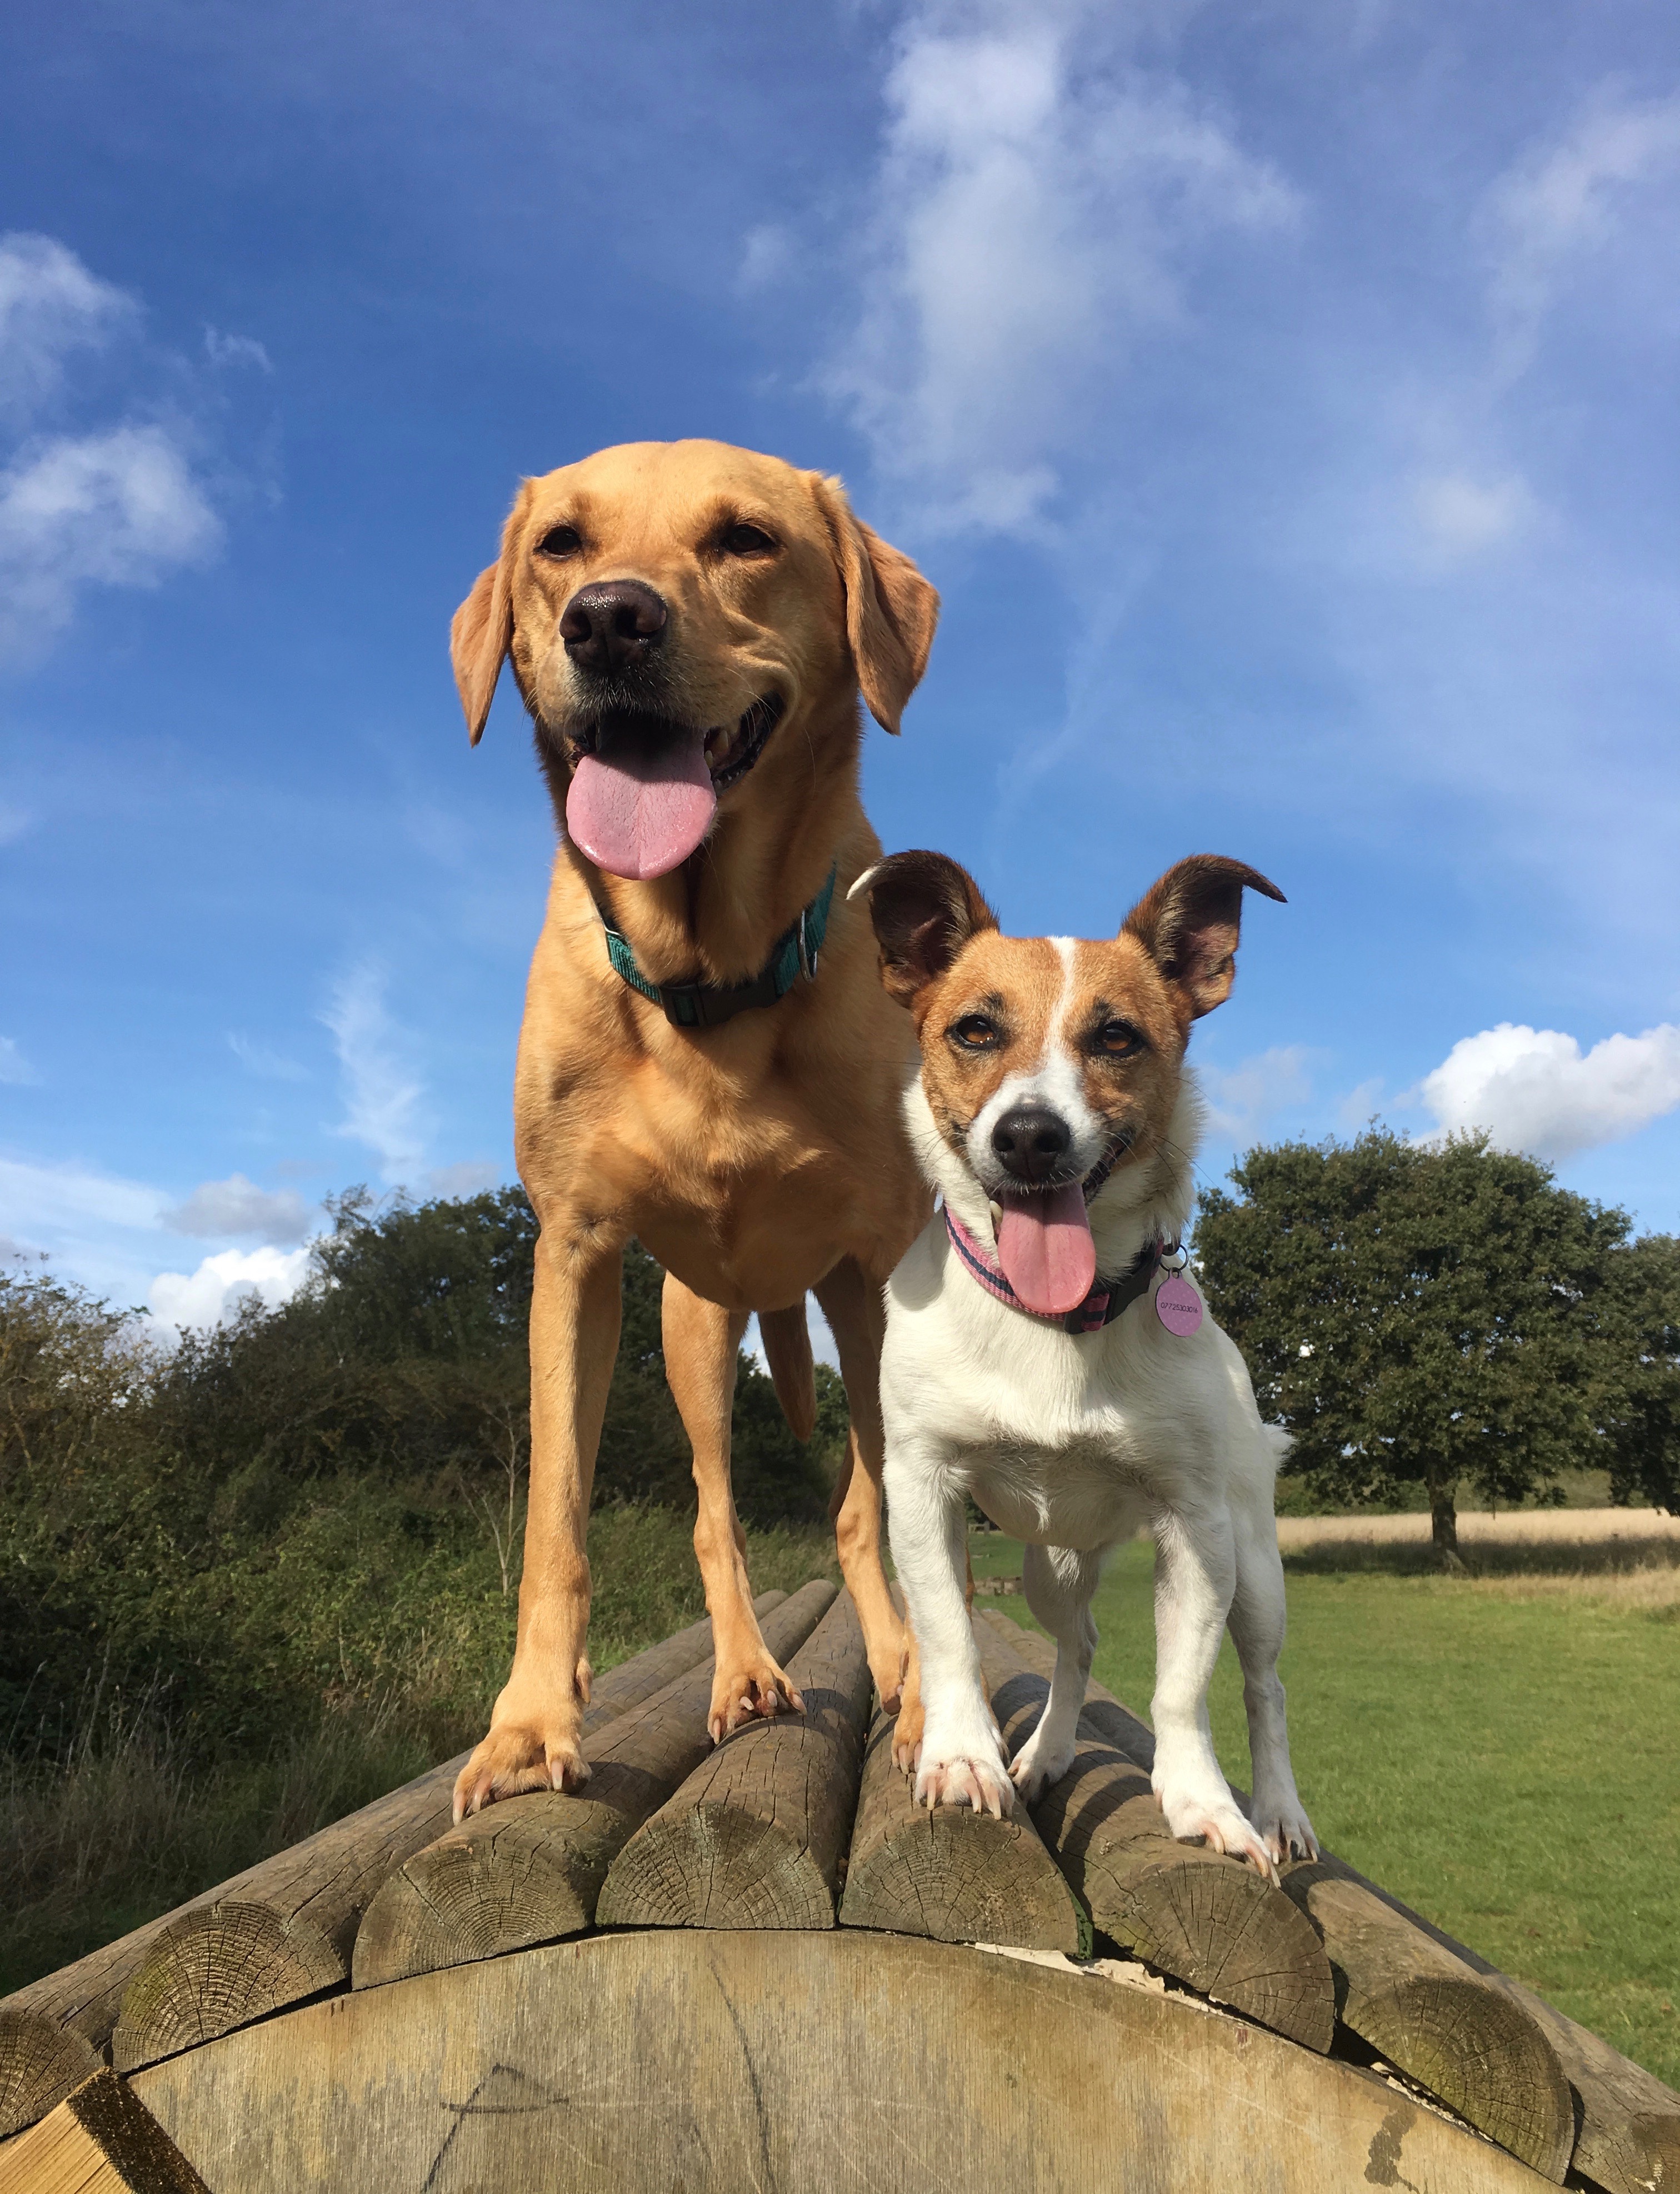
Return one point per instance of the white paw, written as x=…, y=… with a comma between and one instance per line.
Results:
x=965, y=1768
x=1037, y=1766
x=1281, y=1822
x=1219, y=1824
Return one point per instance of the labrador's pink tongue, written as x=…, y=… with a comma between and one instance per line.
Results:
x=1044, y=1246
x=636, y=812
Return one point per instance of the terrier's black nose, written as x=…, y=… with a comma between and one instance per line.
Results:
x=1032, y=1142
x=610, y=624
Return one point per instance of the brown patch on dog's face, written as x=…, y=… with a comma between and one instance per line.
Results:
x=1091, y=1034
x=770, y=598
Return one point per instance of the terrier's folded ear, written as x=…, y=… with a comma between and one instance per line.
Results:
x=1190, y=922
x=925, y=908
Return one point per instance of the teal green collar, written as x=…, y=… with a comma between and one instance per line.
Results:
x=706, y=1005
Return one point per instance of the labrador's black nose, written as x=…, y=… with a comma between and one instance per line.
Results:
x=1032, y=1142
x=612, y=624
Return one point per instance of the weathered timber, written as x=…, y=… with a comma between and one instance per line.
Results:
x=1114, y=1723
x=1438, y=2022
x=1210, y=1922
x=948, y=1873
x=755, y=1837
x=53, y=2032
x=531, y=1869
x=286, y=1930
x=635, y=2063
x=100, y=2139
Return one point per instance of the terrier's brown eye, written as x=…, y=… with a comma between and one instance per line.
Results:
x=974, y=1032
x=745, y=540
x=560, y=541
x=1119, y=1039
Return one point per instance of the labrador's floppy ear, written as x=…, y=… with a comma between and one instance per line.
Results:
x=482, y=629
x=1190, y=922
x=925, y=908
x=891, y=609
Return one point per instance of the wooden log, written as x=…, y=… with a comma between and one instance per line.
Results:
x=1627, y=2136
x=755, y=1837
x=949, y=1874
x=1207, y=1921
x=665, y=2058
x=1627, y=2121
x=53, y=2033
x=1438, y=2022
x=531, y=1869
x=100, y=2139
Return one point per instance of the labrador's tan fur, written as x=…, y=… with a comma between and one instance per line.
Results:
x=758, y=1160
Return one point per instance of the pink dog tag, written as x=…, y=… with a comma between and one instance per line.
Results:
x=1177, y=1306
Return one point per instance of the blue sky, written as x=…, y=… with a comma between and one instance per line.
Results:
x=1280, y=394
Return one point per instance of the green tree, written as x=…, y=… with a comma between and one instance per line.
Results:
x=1639, y=1404
x=1427, y=1316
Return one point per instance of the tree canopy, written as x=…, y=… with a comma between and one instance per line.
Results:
x=1443, y=1315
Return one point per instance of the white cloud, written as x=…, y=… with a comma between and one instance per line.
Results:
x=1534, y=1090
x=219, y=1285
x=1564, y=200
x=236, y=350
x=37, y=1198
x=121, y=508
x=50, y=306
x=1034, y=217
x=1243, y=1102
x=259, y=1060
x=1462, y=516
x=239, y=1206
x=14, y=1067
x=382, y=1096
x=467, y=1177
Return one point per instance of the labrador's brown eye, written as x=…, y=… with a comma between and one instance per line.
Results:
x=1119, y=1040
x=974, y=1032
x=560, y=541
x=745, y=540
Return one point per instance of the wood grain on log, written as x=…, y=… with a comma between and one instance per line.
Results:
x=1208, y=1920
x=1438, y=2022
x=949, y=1874
x=100, y=2139
x=531, y=1869
x=755, y=1837
x=285, y=1930
x=53, y=2032
x=658, y=2059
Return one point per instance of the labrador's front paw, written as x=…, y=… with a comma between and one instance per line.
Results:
x=531, y=1747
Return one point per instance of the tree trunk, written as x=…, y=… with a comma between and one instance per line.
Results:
x=1443, y=1517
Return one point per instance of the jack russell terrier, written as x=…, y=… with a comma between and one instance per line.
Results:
x=1043, y=1353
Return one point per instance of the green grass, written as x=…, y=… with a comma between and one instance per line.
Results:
x=1503, y=1756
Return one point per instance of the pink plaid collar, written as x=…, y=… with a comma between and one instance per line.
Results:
x=1101, y=1307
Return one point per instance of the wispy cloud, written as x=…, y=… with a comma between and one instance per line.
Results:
x=121, y=508
x=1245, y=1101
x=50, y=305
x=14, y=1067
x=267, y=1063
x=1534, y=1090
x=1033, y=215
x=238, y=1206
x=122, y=505
x=382, y=1094
x=236, y=350
x=1562, y=200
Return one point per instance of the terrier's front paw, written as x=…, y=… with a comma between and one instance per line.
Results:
x=967, y=1770
x=1037, y=1766
x=1219, y=1825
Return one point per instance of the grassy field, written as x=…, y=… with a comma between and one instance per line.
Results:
x=1502, y=1752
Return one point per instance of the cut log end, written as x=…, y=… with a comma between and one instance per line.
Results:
x=717, y=1866
x=100, y=2139
x=40, y=2062
x=218, y=1968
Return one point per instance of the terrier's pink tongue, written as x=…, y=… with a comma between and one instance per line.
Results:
x=639, y=814
x=1044, y=1246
